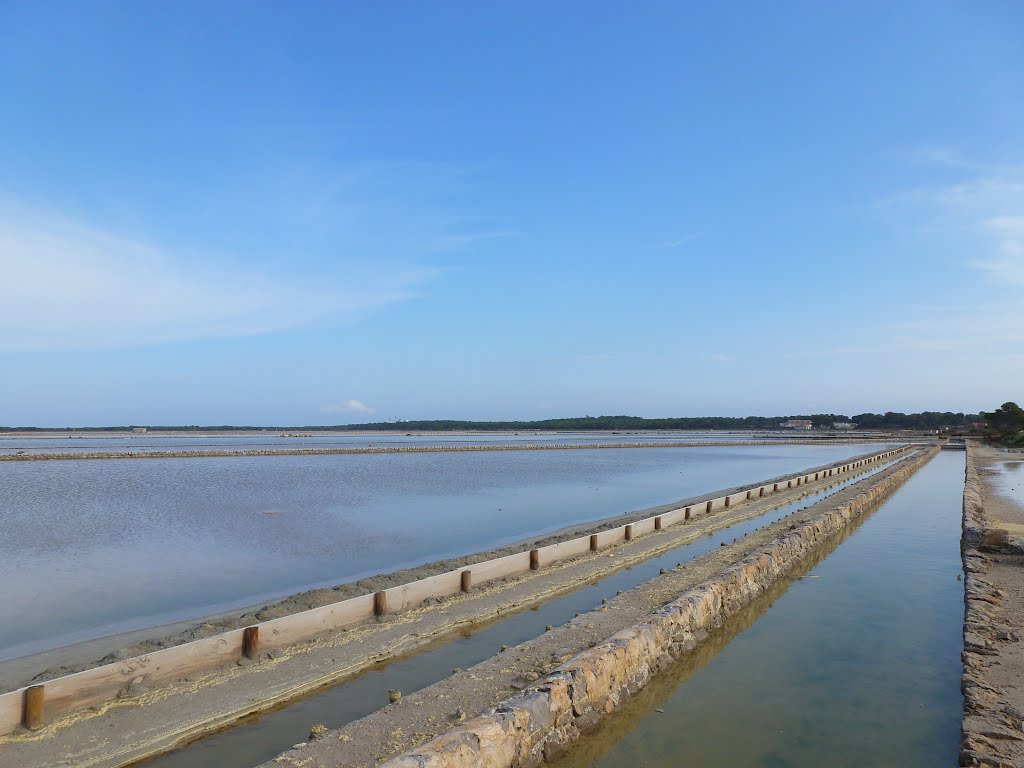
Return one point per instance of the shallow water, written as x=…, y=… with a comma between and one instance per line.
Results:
x=261, y=738
x=857, y=664
x=118, y=443
x=1009, y=479
x=90, y=548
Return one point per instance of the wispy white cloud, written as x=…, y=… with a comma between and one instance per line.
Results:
x=348, y=406
x=70, y=285
x=986, y=204
x=718, y=357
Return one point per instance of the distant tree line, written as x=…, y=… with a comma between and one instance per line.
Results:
x=927, y=420
x=1006, y=424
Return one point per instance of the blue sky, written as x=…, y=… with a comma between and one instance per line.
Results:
x=300, y=213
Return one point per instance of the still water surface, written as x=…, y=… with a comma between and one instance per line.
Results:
x=1009, y=479
x=119, y=443
x=856, y=665
x=91, y=548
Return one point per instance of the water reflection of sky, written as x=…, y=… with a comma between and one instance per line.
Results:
x=858, y=665
x=1009, y=480
x=95, y=547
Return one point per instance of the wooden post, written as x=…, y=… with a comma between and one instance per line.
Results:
x=593, y=542
x=380, y=603
x=686, y=513
x=775, y=487
x=534, y=559
x=657, y=523
x=750, y=495
x=34, y=696
x=726, y=502
x=760, y=492
x=629, y=533
x=467, y=581
x=708, y=508
x=251, y=642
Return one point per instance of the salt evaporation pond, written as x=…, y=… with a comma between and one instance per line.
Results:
x=91, y=548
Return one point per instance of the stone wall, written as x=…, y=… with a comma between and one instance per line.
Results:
x=540, y=722
x=988, y=719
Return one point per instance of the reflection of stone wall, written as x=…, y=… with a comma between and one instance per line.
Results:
x=544, y=719
x=987, y=719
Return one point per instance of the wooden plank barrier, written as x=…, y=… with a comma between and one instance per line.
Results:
x=31, y=707
x=299, y=627
x=12, y=710
x=101, y=684
x=501, y=567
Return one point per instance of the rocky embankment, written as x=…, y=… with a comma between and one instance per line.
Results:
x=993, y=725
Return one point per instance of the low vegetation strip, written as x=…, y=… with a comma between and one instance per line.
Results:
x=542, y=720
x=187, y=454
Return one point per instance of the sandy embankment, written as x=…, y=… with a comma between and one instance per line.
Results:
x=993, y=725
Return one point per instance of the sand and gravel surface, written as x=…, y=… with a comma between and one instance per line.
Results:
x=993, y=682
x=146, y=722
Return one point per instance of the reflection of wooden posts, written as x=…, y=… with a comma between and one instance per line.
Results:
x=467, y=581
x=629, y=533
x=593, y=543
x=534, y=559
x=33, y=717
x=251, y=642
x=657, y=523
x=380, y=603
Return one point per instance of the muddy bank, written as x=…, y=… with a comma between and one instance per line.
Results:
x=992, y=732
x=52, y=664
x=555, y=707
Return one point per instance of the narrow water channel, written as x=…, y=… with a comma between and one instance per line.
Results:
x=856, y=665
x=262, y=737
